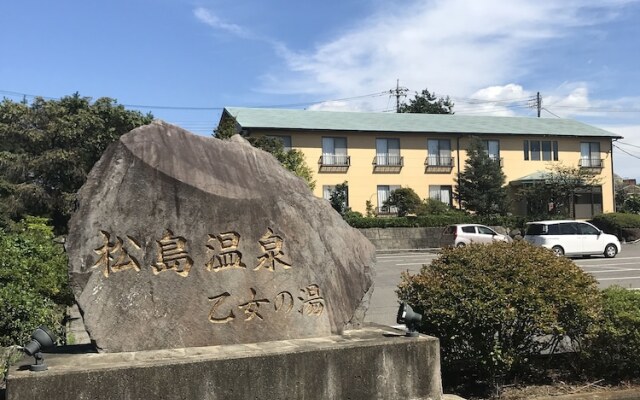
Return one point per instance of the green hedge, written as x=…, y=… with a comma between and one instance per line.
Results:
x=436, y=220
x=490, y=304
x=625, y=226
x=614, y=353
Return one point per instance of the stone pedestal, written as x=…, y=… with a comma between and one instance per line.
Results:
x=372, y=363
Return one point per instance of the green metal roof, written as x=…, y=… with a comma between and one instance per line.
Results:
x=264, y=118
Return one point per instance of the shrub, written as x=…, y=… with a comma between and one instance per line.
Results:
x=614, y=353
x=34, y=285
x=490, y=304
x=406, y=200
x=622, y=225
x=433, y=206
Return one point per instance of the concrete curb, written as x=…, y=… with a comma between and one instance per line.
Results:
x=396, y=251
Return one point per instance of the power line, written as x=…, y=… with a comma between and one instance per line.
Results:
x=627, y=144
x=626, y=152
x=195, y=108
x=550, y=113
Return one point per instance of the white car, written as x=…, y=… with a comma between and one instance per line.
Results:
x=572, y=238
x=463, y=234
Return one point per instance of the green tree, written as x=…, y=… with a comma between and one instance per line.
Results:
x=480, y=186
x=293, y=159
x=406, y=201
x=339, y=198
x=34, y=286
x=632, y=204
x=427, y=103
x=47, y=149
x=553, y=195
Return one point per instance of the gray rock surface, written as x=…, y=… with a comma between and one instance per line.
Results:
x=182, y=240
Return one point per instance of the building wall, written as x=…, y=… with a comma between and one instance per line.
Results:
x=363, y=180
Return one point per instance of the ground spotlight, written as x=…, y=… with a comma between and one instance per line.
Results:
x=41, y=339
x=411, y=319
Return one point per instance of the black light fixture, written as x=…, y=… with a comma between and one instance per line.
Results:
x=411, y=319
x=41, y=339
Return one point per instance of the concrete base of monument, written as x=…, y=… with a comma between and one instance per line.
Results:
x=375, y=362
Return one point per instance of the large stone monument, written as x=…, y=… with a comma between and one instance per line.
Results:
x=204, y=270
x=182, y=240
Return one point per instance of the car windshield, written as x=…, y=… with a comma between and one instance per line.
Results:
x=536, y=229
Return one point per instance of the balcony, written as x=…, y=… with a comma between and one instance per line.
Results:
x=497, y=159
x=387, y=163
x=438, y=164
x=334, y=163
x=591, y=163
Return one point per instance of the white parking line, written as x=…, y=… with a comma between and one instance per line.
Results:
x=617, y=258
x=618, y=278
x=608, y=265
x=614, y=270
x=420, y=263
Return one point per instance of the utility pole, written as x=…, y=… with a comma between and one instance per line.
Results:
x=536, y=103
x=398, y=92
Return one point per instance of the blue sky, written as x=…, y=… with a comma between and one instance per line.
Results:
x=185, y=60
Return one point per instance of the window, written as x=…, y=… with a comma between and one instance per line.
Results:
x=545, y=150
x=442, y=193
x=285, y=140
x=483, y=230
x=388, y=152
x=469, y=229
x=439, y=152
x=570, y=228
x=334, y=151
x=327, y=190
x=590, y=154
x=383, y=195
x=588, y=230
x=493, y=149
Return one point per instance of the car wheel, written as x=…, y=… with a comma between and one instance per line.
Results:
x=461, y=244
x=557, y=250
x=610, y=251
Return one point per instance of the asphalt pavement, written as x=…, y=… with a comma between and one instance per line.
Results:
x=623, y=270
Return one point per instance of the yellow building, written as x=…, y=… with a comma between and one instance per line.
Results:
x=376, y=153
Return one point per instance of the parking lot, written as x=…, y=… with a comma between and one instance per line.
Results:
x=623, y=270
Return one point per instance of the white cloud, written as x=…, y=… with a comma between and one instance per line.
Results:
x=454, y=47
x=208, y=17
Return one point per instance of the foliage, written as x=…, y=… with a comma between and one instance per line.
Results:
x=480, y=186
x=427, y=103
x=614, y=353
x=293, y=160
x=433, y=206
x=370, y=210
x=490, y=304
x=48, y=147
x=631, y=204
x=623, y=225
x=612, y=222
x=553, y=198
x=437, y=220
x=226, y=128
x=405, y=200
x=339, y=198
x=34, y=286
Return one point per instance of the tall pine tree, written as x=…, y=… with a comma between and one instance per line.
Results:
x=480, y=186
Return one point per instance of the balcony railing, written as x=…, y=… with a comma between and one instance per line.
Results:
x=591, y=163
x=497, y=159
x=388, y=160
x=334, y=160
x=439, y=161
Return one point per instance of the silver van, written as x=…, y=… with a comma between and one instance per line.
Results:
x=572, y=238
